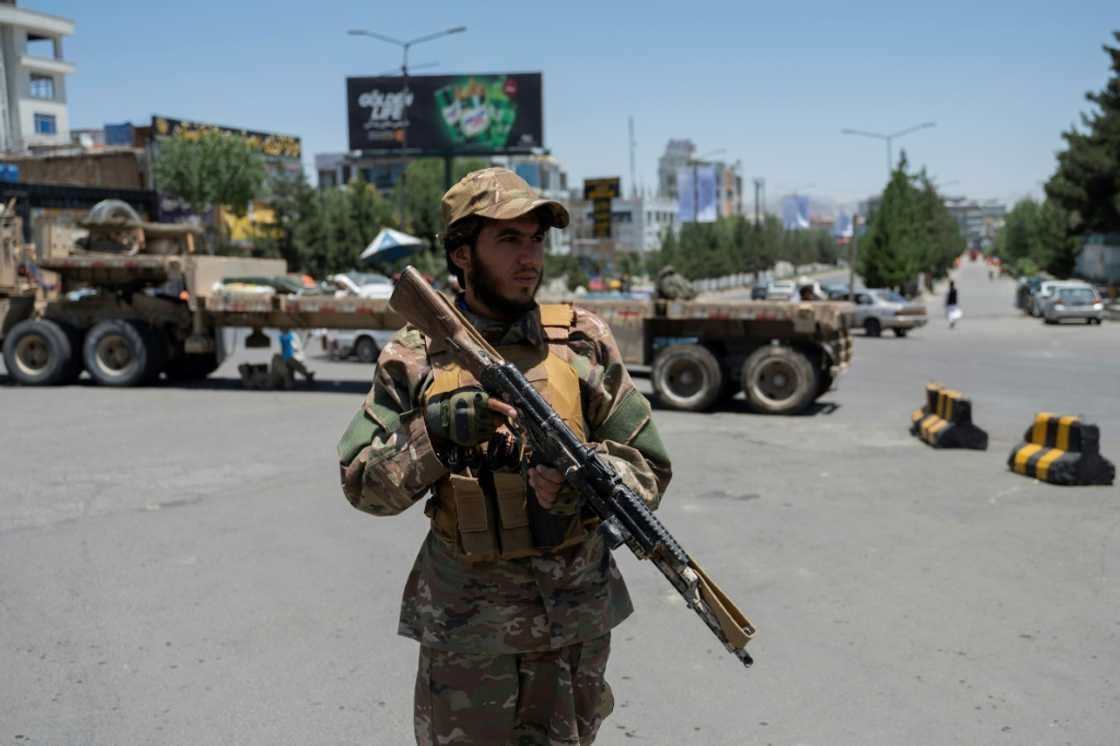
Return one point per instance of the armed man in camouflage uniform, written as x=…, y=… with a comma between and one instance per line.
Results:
x=672, y=285
x=514, y=631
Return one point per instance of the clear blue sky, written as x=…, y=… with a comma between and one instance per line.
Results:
x=773, y=84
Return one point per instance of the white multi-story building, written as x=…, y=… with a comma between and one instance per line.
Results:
x=33, y=109
x=638, y=224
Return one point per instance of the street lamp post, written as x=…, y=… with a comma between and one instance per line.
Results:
x=405, y=46
x=889, y=138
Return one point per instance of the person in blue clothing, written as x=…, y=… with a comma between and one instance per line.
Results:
x=291, y=349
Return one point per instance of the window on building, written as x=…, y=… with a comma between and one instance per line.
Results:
x=46, y=124
x=42, y=86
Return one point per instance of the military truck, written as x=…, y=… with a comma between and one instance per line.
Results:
x=135, y=301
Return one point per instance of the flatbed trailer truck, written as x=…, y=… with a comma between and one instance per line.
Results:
x=138, y=316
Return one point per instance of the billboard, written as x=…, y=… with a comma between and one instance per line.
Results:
x=269, y=144
x=446, y=113
x=696, y=189
x=600, y=192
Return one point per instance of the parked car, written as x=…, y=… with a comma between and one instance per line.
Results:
x=1073, y=301
x=364, y=344
x=782, y=290
x=363, y=284
x=879, y=309
x=1028, y=286
x=758, y=292
x=835, y=290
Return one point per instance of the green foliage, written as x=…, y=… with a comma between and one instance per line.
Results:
x=732, y=245
x=323, y=231
x=1037, y=235
x=423, y=187
x=911, y=231
x=1087, y=181
x=210, y=169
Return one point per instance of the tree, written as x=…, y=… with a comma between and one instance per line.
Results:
x=1087, y=181
x=910, y=231
x=1037, y=236
x=210, y=169
x=423, y=188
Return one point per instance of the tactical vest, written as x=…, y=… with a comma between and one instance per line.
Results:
x=488, y=519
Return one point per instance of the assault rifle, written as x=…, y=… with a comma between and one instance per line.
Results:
x=624, y=515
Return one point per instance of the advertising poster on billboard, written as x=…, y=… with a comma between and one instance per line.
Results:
x=269, y=144
x=696, y=190
x=446, y=113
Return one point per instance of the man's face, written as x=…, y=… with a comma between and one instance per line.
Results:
x=506, y=266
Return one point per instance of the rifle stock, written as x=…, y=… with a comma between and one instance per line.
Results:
x=625, y=516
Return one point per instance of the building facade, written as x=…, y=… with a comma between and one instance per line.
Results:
x=638, y=225
x=680, y=154
x=979, y=220
x=33, y=110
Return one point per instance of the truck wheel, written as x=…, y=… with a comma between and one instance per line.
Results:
x=687, y=377
x=121, y=352
x=873, y=327
x=778, y=380
x=899, y=332
x=191, y=367
x=37, y=352
x=366, y=349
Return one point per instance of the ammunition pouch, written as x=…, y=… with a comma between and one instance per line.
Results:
x=487, y=518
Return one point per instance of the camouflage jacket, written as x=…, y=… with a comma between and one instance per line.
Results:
x=537, y=603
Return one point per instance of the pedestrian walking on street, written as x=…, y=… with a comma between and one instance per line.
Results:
x=514, y=628
x=952, y=305
x=291, y=350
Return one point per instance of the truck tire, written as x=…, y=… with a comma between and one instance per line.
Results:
x=873, y=327
x=779, y=380
x=365, y=349
x=191, y=367
x=37, y=352
x=687, y=377
x=122, y=352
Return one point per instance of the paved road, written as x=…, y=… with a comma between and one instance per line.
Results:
x=181, y=568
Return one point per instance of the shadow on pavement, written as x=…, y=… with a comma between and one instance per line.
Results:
x=218, y=383
x=739, y=405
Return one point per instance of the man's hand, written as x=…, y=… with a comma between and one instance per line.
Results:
x=467, y=417
x=546, y=483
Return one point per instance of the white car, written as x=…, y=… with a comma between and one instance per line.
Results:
x=879, y=308
x=783, y=290
x=364, y=344
x=362, y=285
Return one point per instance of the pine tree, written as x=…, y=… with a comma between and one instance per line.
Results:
x=1087, y=182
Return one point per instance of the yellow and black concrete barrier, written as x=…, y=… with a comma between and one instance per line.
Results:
x=1062, y=450
x=945, y=420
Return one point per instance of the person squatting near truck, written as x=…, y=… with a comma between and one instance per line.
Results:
x=514, y=637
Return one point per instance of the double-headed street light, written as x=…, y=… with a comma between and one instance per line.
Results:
x=888, y=139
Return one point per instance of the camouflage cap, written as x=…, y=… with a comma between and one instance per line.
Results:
x=500, y=194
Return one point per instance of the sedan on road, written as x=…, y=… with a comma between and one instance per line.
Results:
x=364, y=344
x=880, y=309
x=1074, y=302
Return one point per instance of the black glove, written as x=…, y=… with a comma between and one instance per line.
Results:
x=462, y=417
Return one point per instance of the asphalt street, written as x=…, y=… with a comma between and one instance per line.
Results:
x=180, y=566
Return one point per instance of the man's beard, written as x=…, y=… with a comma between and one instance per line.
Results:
x=483, y=283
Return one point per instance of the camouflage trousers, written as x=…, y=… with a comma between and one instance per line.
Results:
x=553, y=698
